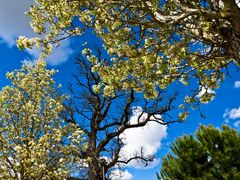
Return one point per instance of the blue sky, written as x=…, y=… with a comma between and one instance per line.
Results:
x=225, y=108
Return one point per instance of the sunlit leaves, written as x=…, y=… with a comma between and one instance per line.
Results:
x=32, y=135
x=150, y=43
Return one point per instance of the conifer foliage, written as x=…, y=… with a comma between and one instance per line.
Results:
x=211, y=154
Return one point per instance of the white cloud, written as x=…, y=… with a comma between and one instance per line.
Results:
x=237, y=124
x=60, y=54
x=14, y=23
x=232, y=113
x=237, y=84
x=148, y=138
x=118, y=174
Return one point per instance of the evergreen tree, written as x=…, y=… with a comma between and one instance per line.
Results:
x=211, y=154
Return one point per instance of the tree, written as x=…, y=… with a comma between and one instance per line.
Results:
x=152, y=43
x=33, y=141
x=212, y=154
x=105, y=118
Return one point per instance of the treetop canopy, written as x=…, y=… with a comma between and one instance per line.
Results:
x=151, y=43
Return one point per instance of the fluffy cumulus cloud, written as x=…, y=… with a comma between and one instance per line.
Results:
x=147, y=138
x=144, y=141
x=232, y=114
x=237, y=84
x=14, y=23
x=60, y=54
x=118, y=174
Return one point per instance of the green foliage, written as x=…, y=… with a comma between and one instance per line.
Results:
x=212, y=154
x=150, y=43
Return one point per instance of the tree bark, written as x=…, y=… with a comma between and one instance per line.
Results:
x=95, y=171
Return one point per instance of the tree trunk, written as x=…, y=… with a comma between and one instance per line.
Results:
x=95, y=172
x=233, y=32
